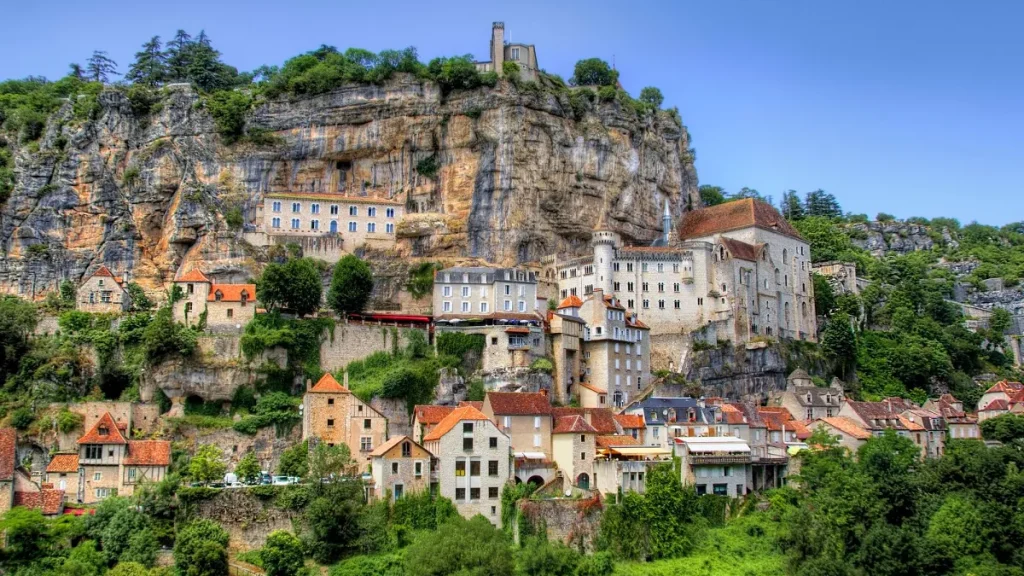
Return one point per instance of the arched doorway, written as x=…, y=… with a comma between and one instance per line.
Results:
x=583, y=481
x=537, y=481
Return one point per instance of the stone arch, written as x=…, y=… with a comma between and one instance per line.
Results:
x=583, y=481
x=536, y=480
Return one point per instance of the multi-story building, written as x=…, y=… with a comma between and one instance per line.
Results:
x=425, y=417
x=573, y=449
x=736, y=270
x=565, y=341
x=103, y=292
x=849, y=433
x=807, y=401
x=1003, y=397
x=344, y=222
x=524, y=417
x=959, y=424
x=668, y=418
x=331, y=413
x=400, y=466
x=714, y=464
x=501, y=51
x=616, y=349
x=112, y=465
x=474, y=462
x=227, y=306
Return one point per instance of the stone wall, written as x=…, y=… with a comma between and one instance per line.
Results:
x=572, y=521
x=397, y=413
x=265, y=444
x=247, y=518
x=354, y=341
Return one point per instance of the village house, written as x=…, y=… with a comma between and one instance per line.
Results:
x=474, y=460
x=877, y=417
x=632, y=425
x=782, y=428
x=959, y=424
x=64, y=472
x=668, y=418
x=102, y=292
x=616, y=351
x=112, y=465
x=425, y=417
x=714, y=464
x=17, y=488
x=622, y=464
x=526, y=419
x=333, y=414
x=807, y=401
x=850, y=434
x=227, y=306
x=565, y=343
x=932, y=434
x=400, y=466
x=1003, y=397
x=573, y=447
x=502, y=50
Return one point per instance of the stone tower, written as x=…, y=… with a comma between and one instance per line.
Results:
x=498, y=46
x=666, y=224
x=604, y=241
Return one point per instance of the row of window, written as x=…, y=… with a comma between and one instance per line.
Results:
x=417, y=469
x=467, y=291
x=589, y=269
x=474, y=494
x=467, y=307
x=314, y=225
x=371, y=211
x=517, y=276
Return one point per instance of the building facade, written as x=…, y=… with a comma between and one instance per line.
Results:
x=333, y=414
x=524, y=417
x=102, y=292
x=482, y=292
x=227, y=306
x=714, y=465
x=400, y=466
x=807, y=401
x=616, y=349
x=112, y=465
x=502, y=50
x=351, y=221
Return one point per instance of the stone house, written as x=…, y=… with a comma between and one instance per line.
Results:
x=8, y=462
x=565, y=343
x=501, y=51
x=714, y=465
x=850, y=433
x=64, y=472
x=616, y=349
x=877, y=417
x=480, y=291
x=1003, y=397
x=667, y=418
x=524, y=417
x=333, y=414
x=400, y=466
x=930, y=431
x=622, y=464
x=632, y=425
x=227, y=306
x=573, y=449
x=474, y=462
x=807, y=401
x=959, y=424
x=112, y=465
x=102, y=292
x=425, y=417
x=781, y=427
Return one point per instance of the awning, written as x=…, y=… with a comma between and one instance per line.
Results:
x=530, y=455
x=639, y=450
x=715, y=448
x=517, y=330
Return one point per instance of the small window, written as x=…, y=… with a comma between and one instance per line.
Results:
x=492, y=467
x=474, y=493
x=474, y=468
x=493, y=442
x=492, y=493
x=460, y=493
x=231, y=313
x=330, y=401
x=467, y=443
x=366, y=423
x=418, y=467
x=97, y=476
x=330, y=422
x=394, y=467
x=583, y=455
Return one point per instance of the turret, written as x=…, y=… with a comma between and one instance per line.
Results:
x=604, y=241
x=498, y=46
x=666, y=223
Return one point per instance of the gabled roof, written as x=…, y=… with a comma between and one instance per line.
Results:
x=385, y=447
x=8, y=453
x=105, y=272
x=231, y=292
x=734, y=215
x=575, y=424
x=63, y=464
x=742, y=250
x=112, y=436
x=616, y=440
x=997, y=404
x=777, y=418
x=518, y=403
x=630, y=421
x=910, y=424
x=193, y=275
x=1006, y=387
x=877, y=415
x=847, y=426
x=148, y=453
x=602, y=419
x=823, y=397
x=593, y=388
x=573, y=301
x=452, y=420
x=328, y=385
x=478, y=404
x=430, y=414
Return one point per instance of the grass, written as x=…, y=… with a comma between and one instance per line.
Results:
x=202, y=421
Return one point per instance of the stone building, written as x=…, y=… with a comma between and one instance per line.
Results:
x=573, y=447
x=8, y=457
x=103, y=292
x=616, y=349
x=565, y=344
x=1003, y=397
x=733, y=272
x=63, y=471
x=714, y=465
x=474, y=462
x=227, y=306
x=112, y=465
x=850, y=433
x=501, y=51
x=425, y=417
x=400, y=466
x=668, y=418
x=959, y=424
x=524, y=417
x=333, y=414
x=807, y=401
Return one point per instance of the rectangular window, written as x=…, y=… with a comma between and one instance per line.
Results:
x=494, y=442
x=276, y=223
x=352, y=226
x=629, y=266
x=97, y=476
x=465, y=306
x=492, y=467
x=474, y=493
x=583, y=455
x=661, y=304
x=93, y=451
x=460, y=467
x=615, y=286
x=389, y=212
x=371, y=226
x=314, y=224
x=483, y=307
x=460, y=493
x=474, y=468
x=508, y=305
x=645, y=286
x=536, y=440
x=366, y=423
x=447, y=291
x=492, y=493
x=515, y=54
x=536, y=422
x=467, y=443
x=353, y=211
x=447, y=306
x=394, y=468
x=615, y=266
x=330, y=422
x=365, y=444
x=522, y=306
x=334, y=209
x=465, y=291
x=418, y=467
x=646, y=304
x=676, y=304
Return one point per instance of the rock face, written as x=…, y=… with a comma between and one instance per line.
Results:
x=896, y=238
x=742, y=373
x=507, y=177
x=247, y=518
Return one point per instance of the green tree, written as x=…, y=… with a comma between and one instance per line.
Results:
x=282, y=554
x=178, y=56
x=652, y=97
x=17, y=321
x=294, y=285
x=295, y=461
x=129, y=569
x=1005, y=428
x=351, y=285
x=332, y=521
x=206, y=466
x=839, y=343
x=27, y=537
x=538, y=557
x=711, y=195
x=823, y=204
x=228, y=109
x=149, y=68
x=593, y=72
x=164, y=337
x=472, y=546
x=99, y=67
x=824, y=295
x=792, y=207
x=326, y=461
x=68, y=294
x=455, y=73
x=201, y=549
x=248, y=468
x=958, y=527
x=140, y=302
x=84, y=560
x=118, y=537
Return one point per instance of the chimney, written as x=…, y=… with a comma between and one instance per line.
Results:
x=345, y=379
x=309, y=384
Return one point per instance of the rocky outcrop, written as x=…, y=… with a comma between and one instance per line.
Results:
x=247, y=518
x=747, y=372
x=209, y=379
x=893, y=237
x=514, y=176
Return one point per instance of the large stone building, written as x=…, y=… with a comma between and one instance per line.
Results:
x=103, y=292
x=565, y=342
x=400, y=466
x=501, y=51
x=616, y=349
x=733, y=272
x=474, y=462
x=112, y=465
x=331, y=413
x=959, y=424
x=714, y=464
x=805, y=400
x=227, y=306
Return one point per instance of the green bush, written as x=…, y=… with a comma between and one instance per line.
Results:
x=593, y=72
x=228, y=109
x=543, y=365
x=454, y=73
x=421, y=279
x=606, y=93
x=22, y=418
x=428, y=167
x=510, y=70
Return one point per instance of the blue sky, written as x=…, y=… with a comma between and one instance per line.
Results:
x=909, y=107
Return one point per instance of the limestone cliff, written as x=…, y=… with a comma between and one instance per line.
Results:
x=513, y=176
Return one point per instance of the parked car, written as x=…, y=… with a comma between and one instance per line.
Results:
x=281, y=481
x=265, y=478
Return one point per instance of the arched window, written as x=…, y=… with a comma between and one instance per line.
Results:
x=778, y=276
x=764, y=253
x=785, y=256
x=785, y=308
x=803, y=309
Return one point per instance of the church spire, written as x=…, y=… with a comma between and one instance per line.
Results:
x=666, y=223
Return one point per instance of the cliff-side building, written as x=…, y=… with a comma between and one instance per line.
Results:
x=103, y=292
x=333, y=414
x=501, y=51
x=227, y=306
x=616, y=350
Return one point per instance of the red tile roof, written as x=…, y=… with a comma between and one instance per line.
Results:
x=593, y=388
x=732, y=216
x=847, y=426
x=193, y=275
x=232, y=292
x=742, y=250
x=910, y=424
x=997, y=404
x=616, y=440
x=1005, y=387
x=629, y=421
x=8, y=452
x=572, y=425
x=47, y=501
x=777, y=418
x=452, y=420
x=328, y=385
x=148, y=453
x=431, y=414
x=63, y=464
x=112, y=436
x=573, y=301
x=602, y=419
x=518, y=403
x=517, y=330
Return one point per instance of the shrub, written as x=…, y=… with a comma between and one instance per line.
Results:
x=455, y=73
x=22, y=418
x=131, y=176
x=428, y=166
x=651, y=96
x=421, y=279
x=351, y=285
x=606, y=93
x=593, y=72
x=228, y=109
x=489, y=79
x=68, y=421
x=201, y=549
x=510, y=70
x=543, y=365
x=282, y=554
x=233, y=218
x=883, y=217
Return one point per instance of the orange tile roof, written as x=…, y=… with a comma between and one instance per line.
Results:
x=63, y=464
x=616, y=440
x=517, y=330
x=8, y=452
x=778, y=417
x=431, y=414
x=910, y=424
x=628, y=421
x=148, y=453
x=742, y=250
x=452, y=420
x=193, y=275
x=47, y=501
x=602, y=419
x=734, y=215
x=593, y=388
x=847, y=426
x=518, y=403
x=112, y=436
x=572, y=425
x=328, y=385
x=573, y=301
x=232, y=292
x=1006, y=387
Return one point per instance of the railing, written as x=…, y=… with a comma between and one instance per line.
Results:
x=734, y=459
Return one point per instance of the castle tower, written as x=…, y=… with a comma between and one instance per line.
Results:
x=604, y=241
x=498, y=46
x=666, y=224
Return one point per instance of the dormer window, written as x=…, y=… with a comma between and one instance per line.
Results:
x=218, y=295
x=245, y=297
x=104, y=431
x=808, y=397
x=406, y=450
